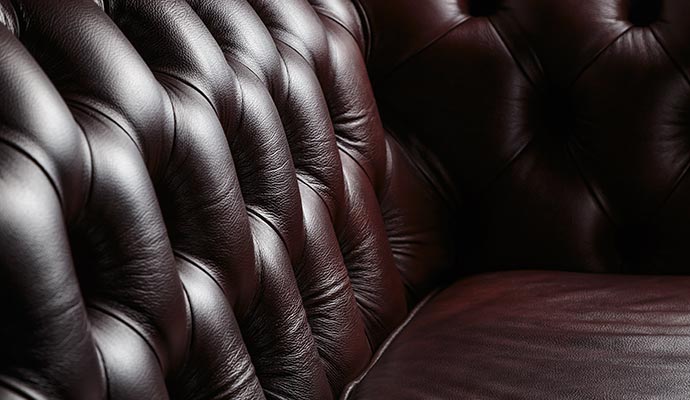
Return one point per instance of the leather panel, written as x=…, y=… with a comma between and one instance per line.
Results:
x=541, y=335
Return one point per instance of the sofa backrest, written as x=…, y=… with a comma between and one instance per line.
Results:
x=199, y=200
x=564, y=124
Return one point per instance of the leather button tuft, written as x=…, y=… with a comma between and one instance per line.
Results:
x=483, y=8
x=558, y=113
x=644, y=12
x=635, y=244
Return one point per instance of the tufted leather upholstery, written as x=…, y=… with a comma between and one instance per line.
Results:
x=199, y=199
x=566, y=133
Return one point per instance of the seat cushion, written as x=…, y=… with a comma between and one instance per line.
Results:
x=540, y=335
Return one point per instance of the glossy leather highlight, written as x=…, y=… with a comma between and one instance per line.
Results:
x=200, y=199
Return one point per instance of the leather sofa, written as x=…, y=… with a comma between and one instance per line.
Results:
x=374, y=199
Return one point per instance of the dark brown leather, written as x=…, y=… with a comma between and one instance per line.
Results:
x=564, y=124
x=541, y=335
x=199, y=199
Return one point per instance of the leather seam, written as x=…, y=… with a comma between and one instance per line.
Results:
x=597, y=198
x=382, y=349
x=89, y=191
x=28, y=155
x=673, y=60
x=188, y=84
x=101, y=360
x=255, y=301
x=282, y=58
x=198, y=266
x=310, y=187
x=258, y=294
x=131, y=326
x=174, y=138
x=596, y=56
x=267, y=85
x=510, y=52
x=341, y=147
x=287, y=80
x=242, y=105
x=190, y=340
x=337, y=21
x=507, y=165
x=275, y=230
x=423, y=48
x=90, y=109
x=427, y=176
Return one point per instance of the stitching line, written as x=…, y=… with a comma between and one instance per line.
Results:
x=597, y=55
x=433, y=41
x=198, y=266
x=131, y=326
x=349, y=389
x=34, y=161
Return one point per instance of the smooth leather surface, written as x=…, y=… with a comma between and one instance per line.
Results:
x=200, y=199
x=541, y=335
